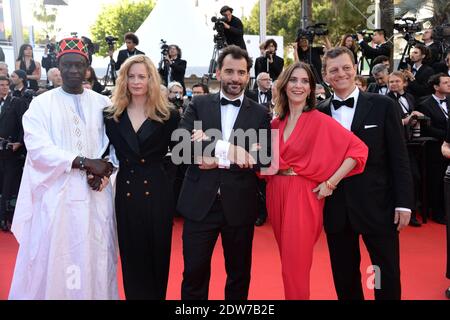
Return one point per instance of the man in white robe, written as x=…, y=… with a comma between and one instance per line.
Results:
x=66, y=227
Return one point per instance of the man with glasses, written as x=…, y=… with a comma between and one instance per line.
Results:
x=262, y=94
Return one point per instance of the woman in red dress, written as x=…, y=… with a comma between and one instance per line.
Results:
x=312, y=154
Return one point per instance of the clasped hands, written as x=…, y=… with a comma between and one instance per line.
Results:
x=236, y=154
x=98, y=173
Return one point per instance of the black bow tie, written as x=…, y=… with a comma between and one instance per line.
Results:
x=225, y=101
x=442, y=101
x=398, y=96
x=414, y=70
x=383, y=86
x=348, y=103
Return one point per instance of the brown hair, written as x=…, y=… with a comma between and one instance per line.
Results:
x=157, y=106
x=282, y=103
x=236, y=53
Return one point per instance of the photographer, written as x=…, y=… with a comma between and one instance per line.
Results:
x=176, y=95
x=311, y=55
x=48, y=60
x=131, y=41
x=382, y=48
x=12, y=149
x=234, y=29
x=434, y=47
x=420, y=73
x=173, y=67
x=269, y=62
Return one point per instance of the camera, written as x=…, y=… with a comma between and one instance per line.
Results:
x=442, y=34
x=164, y=48
x=6, y=148
x=219, y=37
x=177, y=101
x=51, y=47
x=310, y=32
x=408, y=28
x=367, y=35
x=110, y=40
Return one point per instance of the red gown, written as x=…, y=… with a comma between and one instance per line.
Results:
x=315, y=149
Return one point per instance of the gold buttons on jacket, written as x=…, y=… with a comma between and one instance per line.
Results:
x=128, y=194
x=142, y=160
x=147, y=193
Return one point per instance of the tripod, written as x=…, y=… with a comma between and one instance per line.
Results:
x=110, y=72
x=219, y=44
x=403, y=64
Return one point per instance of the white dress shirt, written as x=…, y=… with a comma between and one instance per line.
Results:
x=444, y=106
x=228, y=116
x=344, y=115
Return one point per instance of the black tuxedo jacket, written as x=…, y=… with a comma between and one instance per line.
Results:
x=368, y=200
x=275, y=67
x=374, y=88
x=11, y=119
x=238, y=187
x=438, y=122
x=411, y=103
x=253, y=94
x=124, y=55
x=419, y=87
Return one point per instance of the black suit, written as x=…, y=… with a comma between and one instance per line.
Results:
x=365, y=204
x=232, y=214
x=124, y=55
x=11, y=163
x=275, y=67
x=374, y=88
x=235, y=35
x=419, y=87
x=254, y=95
x=177, y=68
x=437, y=164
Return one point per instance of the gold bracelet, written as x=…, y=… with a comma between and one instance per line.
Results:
x=330, y=185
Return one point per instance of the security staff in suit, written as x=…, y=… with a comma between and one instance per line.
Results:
x=11, y=159
x=420, y=73
x=375, y=204
x=131, y=41
x=436, y=107
x=219, y=192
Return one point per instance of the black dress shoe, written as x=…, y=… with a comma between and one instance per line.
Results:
x=414, y=222
x=259, y=222
x=440, y=220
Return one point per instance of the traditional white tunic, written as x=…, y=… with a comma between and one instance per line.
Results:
x=66, y=231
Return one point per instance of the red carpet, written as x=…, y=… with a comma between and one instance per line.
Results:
x=423, y=258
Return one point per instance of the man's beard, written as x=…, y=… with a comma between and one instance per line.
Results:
x=226, y=88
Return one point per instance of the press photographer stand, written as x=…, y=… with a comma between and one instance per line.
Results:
x=110, y=75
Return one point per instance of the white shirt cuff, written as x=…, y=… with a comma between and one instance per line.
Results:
x=360, y=40
x=221, y=152
x=403, y=209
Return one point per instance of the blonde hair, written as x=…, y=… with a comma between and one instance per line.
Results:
x=157, y=106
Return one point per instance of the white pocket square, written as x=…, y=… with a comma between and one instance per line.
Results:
x=370, y=126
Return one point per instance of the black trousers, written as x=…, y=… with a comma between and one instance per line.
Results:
x=10, y=175
x=346, y=258
x=437, y=165
x=199, y=239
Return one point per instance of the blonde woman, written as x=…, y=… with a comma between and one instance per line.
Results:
x=139, y=126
